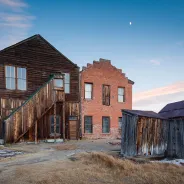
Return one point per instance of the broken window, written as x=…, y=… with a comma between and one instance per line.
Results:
x=121, y=94
x=88, y=90
x=57, y=124
x=88, y=125
x=106, y=95
x=105, y=124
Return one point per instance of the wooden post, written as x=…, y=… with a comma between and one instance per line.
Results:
x=54, y=121
x=36, y=132
x=63, y=120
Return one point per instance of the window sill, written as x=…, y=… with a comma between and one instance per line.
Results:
x=86, y=99
x=19, y=90
x=105, y=133
x=88, y=133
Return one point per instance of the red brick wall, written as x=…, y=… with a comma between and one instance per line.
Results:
x=100, y=73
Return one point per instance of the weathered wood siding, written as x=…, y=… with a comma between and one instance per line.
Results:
x=25, y=117
x=143, y=136
x=175, y=146
x=40, y=60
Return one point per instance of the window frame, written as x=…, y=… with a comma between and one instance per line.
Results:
x=91, y=125
x=52, y=133
x=124, y=99
x=103, y=85
x=88, y=91
x=109, y=124
x=119, y=122
x=64, y=82
x=16, y=77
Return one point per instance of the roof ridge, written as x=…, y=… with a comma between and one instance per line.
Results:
x=32, y=37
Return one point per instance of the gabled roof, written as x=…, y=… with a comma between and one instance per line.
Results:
x=173, y=110
x=33, y=37
x=149, y=114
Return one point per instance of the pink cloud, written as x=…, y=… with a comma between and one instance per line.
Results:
x=14, y=3
x=155, y=99
x=155, y=62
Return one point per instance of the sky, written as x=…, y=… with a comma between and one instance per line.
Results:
x=150, y=50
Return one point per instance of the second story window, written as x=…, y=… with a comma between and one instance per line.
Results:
x=10, y=77
x=121, y=94
x=88, y=91
x=16, y=78
x=58, y=83
x=106, y=95
x=67, y=83
x=21, y=78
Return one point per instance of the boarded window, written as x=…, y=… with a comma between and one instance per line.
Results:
x=105, y=124
x=67, y=83
x=106, y=95
x=21, y=77
x=88, y=90
x=88, y=125
x=10, y=77
x=121, y=94
x=120, y=122
x=57, y=124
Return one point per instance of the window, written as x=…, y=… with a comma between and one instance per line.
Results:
x=67, y=83
x=88, y=126
x=106, y=95
x=88, y=90
x=10, y=77
x=58, y=83
x=120, y=122
x=57, y=124
x=21, y=77
x=121, y=94
x=105, y=124
x=16, y=78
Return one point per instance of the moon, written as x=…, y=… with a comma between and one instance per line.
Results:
x=130, y=23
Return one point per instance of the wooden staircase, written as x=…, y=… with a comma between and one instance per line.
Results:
x=25, y=117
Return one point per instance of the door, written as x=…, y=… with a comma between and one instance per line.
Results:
x=73, y=127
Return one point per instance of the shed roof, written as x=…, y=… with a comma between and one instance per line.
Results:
x=149, y=114
x=173, y=110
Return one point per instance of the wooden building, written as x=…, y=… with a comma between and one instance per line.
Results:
x=143, y=133
x=174, y=112
x=39, y=92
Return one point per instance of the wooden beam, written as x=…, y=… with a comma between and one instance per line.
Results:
x=64, y=120
x=36, y=132
x=55, y=122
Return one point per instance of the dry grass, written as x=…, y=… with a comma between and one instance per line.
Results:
x=96, y=168
x=65, y=147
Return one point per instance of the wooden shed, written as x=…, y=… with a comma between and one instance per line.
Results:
x=143, y=133
x=175, y=114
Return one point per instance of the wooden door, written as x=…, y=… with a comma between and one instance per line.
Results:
x=73, y=128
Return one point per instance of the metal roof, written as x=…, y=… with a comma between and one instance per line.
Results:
x=149, y=114
x=173, y=110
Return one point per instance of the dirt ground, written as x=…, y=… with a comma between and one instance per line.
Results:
x=81, y=162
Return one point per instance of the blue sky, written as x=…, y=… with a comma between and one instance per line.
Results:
x=150, y=51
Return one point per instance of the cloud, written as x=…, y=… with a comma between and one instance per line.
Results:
x=14, y=26
x=155, y=62
x=157, y=98
x=13, y=3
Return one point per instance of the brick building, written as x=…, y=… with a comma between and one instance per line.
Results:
x=105, y=90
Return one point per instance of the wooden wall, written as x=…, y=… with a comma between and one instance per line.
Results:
x=143, y=136
x=41, y=60
x=175, y=146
